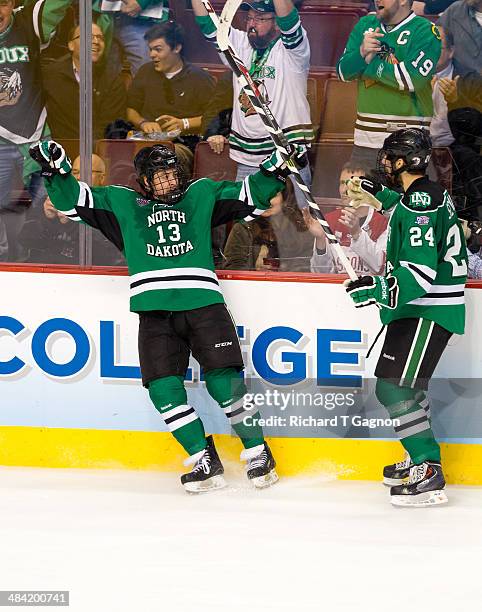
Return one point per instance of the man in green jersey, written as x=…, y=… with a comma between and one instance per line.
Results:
x=392, y=54
x=165, y=235
x=421, y=300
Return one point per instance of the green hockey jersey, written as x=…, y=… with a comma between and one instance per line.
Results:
x=426, y=253
x=394, y=89
x=167, y=248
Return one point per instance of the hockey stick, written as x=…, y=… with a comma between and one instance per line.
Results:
x=222, y=26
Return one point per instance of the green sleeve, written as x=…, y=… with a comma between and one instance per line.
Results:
x=388, y=198
x=207, y=26
x=416, y=70
x=351, y=64
x=245, y=199
x=89, y=205
x=50, y=15
x=418, y=255
x=74, y=198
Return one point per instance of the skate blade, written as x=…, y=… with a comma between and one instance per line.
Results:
x=393, y=482
x=431, y=498
x=205, y=486
x=268, y=480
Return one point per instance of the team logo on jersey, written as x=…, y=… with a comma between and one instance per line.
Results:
x=142, y=201
x=387, y=54
x=10, y=87
x=264, y=72
x=422, y=220
x=12, y=55
x=245, y=103
x=436, y=32
x=420, y=199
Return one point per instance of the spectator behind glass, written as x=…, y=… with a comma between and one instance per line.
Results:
x=22, y=114
x=169, y=94
x=276, y=50
x=392, y=54
x=50, y=237
x=216, y=120
x=277, y=240
x=362, y=233
x=442, y=83
x=61, y=87
x=473, y=235
x=431, y=7
x=462, y=22
x=127, y=23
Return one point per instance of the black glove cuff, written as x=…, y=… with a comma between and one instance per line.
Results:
x=279, y=174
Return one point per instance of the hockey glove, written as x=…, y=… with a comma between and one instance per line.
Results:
x=381, y=290
x=274, y=165
x=363, y=191
x=52, y=158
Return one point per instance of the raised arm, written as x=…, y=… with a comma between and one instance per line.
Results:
x=199, y=8
x=249, y=198
x=75, y=199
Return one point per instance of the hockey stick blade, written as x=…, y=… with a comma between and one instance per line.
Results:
x=225, y=21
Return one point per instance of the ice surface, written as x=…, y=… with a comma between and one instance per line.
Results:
x=134, y=541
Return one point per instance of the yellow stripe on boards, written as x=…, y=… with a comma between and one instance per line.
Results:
x=343, y=459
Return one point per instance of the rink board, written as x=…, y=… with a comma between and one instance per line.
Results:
x=71, y=395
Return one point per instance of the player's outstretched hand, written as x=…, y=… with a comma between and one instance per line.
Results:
x=363, y=191
x=52, y=157
x=275, y=165
x=366, y=290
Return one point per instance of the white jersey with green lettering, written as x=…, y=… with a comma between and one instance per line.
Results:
x=281, y=72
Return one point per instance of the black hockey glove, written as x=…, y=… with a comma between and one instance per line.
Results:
x=52, y=158
x=380, y=290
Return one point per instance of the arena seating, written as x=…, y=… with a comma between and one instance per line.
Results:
x=339, y=111
x=214, y=166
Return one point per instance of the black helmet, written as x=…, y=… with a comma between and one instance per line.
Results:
x=413, y=145
x=148, y=162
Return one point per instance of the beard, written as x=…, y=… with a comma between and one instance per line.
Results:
x=257, y=41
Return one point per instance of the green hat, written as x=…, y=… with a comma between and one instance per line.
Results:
x=262, y=6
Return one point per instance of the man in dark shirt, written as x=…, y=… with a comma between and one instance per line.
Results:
x=61, y=87
x=23, y=33
x=169, y=94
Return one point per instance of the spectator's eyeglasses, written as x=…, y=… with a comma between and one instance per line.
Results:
x=258, y=19
x=97, y=37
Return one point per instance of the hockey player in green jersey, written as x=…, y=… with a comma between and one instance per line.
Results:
x=421, y=300
x=165, y=235
x=393, y=54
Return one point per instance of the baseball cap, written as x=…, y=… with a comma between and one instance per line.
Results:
x=263, y=6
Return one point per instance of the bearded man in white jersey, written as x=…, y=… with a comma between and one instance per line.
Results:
x=275, y=48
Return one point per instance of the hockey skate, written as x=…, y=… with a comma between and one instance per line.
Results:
x=207, y=474
x=397, y=473
x=425, y=487
x=260, y=466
